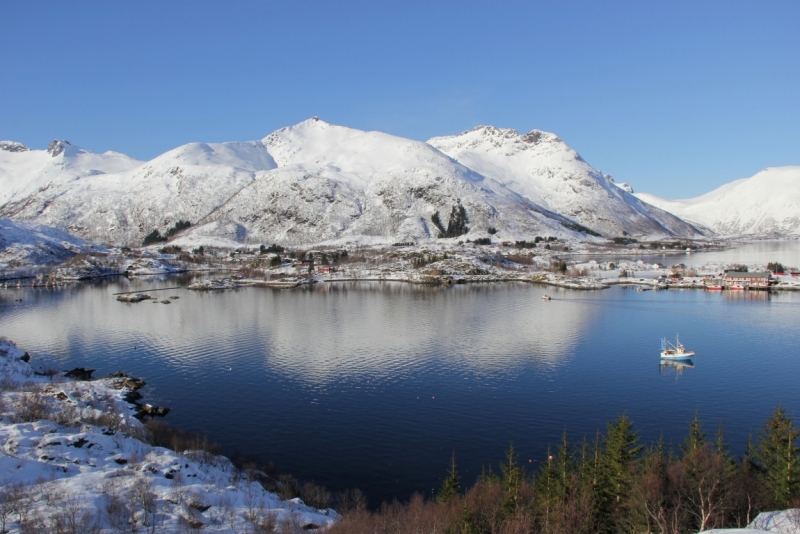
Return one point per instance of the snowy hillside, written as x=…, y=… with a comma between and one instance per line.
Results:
x=767, y=203
x=316, y=182
x=545, y=170
x=24, y=244
x=73, y=453
x=186, y=183
x=334, y=182
x=24, y=171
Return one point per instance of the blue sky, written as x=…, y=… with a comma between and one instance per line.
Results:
x=675, y=98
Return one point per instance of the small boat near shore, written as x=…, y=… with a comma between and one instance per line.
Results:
x=676, y=351
x=546, y=297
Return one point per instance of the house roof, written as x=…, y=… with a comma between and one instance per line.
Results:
x=739, y=274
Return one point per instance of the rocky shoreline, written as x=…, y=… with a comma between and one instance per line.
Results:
x=73, y=444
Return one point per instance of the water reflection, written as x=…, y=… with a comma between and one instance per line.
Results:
x=672, y=367
x=373, y=385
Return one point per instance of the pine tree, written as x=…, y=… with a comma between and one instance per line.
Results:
x=696, y=439
x=778, y=456
x=621, y=449
x=451, y=485
x=512, y=480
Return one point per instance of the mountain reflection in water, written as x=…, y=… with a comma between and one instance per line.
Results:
x=374, y=385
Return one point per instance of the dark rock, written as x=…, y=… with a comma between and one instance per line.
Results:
x=310, y=526
x=143, y=410
x=79, y=373
x=131, y=383
x=132, y=396
x=25, y=357
x=121, y=461
x=80, y=443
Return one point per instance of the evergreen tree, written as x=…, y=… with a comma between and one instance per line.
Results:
x=696, y=439
x=451, y=485
x=621, y=449
x=778, y=456
x=720, y=445
x=511, y=480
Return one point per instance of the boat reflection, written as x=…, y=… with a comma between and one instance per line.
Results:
x=677, y=367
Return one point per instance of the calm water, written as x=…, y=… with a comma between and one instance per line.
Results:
x=786, y=252
x=373, y=385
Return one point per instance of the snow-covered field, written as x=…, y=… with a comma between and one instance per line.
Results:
x=74, y=459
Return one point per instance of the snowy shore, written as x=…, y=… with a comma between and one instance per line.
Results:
x=73, y=453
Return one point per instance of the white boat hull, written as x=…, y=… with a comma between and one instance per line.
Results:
x=669, y=355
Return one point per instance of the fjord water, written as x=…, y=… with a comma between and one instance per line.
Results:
x=373, y=385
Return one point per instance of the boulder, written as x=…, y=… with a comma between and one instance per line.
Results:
x=79, y=373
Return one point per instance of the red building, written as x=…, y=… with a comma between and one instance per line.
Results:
x=744, y=280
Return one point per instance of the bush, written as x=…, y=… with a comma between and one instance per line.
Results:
x=31, y=406
x=492, y=230
x=483, y=241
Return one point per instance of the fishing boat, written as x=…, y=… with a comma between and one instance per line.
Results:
x=546, y=297
x=676, y=351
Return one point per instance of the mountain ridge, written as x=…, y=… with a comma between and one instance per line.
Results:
x=316, y=182
x=765, y=203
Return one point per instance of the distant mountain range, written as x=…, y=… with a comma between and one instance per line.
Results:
x=765, y=204
x=316, y=182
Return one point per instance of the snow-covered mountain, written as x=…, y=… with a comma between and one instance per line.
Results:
x=186, y=183
x=24, y=171
x=316, y=182
x=334, y=182
x=23, y=244
x=767, y=203
x=545, y=170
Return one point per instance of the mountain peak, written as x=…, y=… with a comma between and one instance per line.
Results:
x=57, y=147
x=13, y=146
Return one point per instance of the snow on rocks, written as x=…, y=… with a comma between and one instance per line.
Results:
x=147, y=266
x=26, y=247
x=83, y=268
x=73, y=451
x=780, y=521
x=213, y=284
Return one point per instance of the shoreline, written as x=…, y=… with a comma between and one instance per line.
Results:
x=78, y=445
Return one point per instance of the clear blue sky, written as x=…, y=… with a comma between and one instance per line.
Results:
x=675, y=98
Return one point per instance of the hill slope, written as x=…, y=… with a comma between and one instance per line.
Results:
x=766, y=203
x=186, y=183
x=334, y=182
x=316, y=182
x=545, y=170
